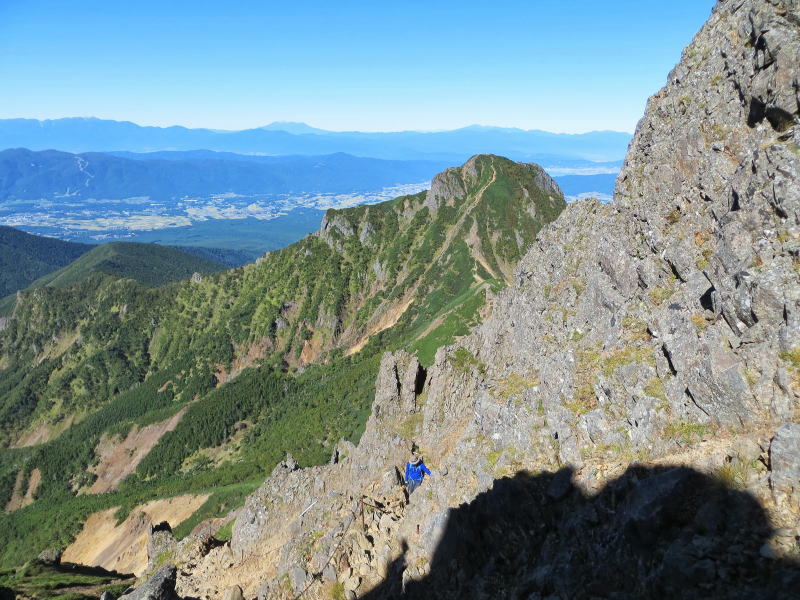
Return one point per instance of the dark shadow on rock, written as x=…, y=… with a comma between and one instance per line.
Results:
x=75, y=568
x=664, y=532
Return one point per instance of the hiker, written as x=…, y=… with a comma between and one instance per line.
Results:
x=415, y=472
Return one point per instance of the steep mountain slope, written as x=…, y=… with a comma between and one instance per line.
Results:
x=25, y=257
x=403, y=264
x=29, y=175
x=625, y=423
x=206, y=365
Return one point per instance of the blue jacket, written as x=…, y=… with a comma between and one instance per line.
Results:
x=415, y=472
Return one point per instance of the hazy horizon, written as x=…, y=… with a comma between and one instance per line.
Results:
x=562, y=67
x=313, y=126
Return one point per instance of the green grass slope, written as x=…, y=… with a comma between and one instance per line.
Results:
x=39, y=581
x=288, y=346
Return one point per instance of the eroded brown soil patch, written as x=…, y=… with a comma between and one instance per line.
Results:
x=17, y=499
x=118, y=459
x=123, y=547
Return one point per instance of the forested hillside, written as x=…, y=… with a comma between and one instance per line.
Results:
x=276, y=356
x=25, y=257
x=149, y=264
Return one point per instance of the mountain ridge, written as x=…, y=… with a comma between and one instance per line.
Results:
x=149, y=264
x=625, y=421
x=453, y=146
x=32, y=175
x=301, y=125
x=288, y=346
x=622, y=423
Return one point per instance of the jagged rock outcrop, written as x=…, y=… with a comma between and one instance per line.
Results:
x=160, y=543
x=785, y=460
x=624, y=423
x=161, y=586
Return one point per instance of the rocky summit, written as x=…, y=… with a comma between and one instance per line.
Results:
x=624, y=424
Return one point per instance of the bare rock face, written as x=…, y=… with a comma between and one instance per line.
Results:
x=447, y=185
x=623, y=422
x=678, y=303
x=395, y=384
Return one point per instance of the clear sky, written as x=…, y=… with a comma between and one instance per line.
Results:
x=377, y=65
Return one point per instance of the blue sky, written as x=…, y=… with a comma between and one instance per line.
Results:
x=566, y=66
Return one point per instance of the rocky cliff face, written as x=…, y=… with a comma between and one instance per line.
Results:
x=625, y=423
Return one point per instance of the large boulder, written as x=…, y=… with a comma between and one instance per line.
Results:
x=784, y=451
x=51, y=556
x=161, y=586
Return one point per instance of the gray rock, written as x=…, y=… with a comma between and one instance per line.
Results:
x=160, y=542
x=161, y=586
x=329, y=573
x=298, y=577
x=233, y=593
x=51, y=556
x=352, y=583
x=648, y=507
x=784, y=453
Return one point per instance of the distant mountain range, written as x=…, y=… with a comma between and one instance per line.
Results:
x=99, y=135
x=29, y=175
x=245, y=204
x=25, y=174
